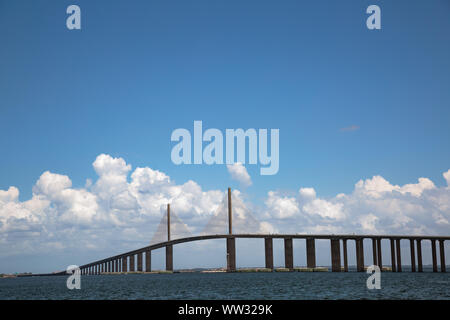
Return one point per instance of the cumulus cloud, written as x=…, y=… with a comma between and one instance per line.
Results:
x=125, y=206
x=375, y=206
x=239, y=172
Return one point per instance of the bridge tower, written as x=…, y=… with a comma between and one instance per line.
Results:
x=231, y=240
x=169, y=248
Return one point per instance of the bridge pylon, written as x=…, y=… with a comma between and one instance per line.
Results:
x=231, y=241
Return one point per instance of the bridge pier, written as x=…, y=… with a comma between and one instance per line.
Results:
x=419, y=255
x=231, y=254
x=413, y=255
x=380, y=258
x=139, y=261
x=169, y=258
x=268, y=246
x=335, y=255
x=344, y=248
x=442, y=254
x=124, y=264
x=359, y=254
x=288, y=254
x=148, y=261
x=393, y=263
x=399, y=255
x=132, y=263
x=433, y=254
x=310, y=253
x=374, y=252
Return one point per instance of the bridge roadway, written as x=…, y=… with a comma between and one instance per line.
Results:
x=125, y=262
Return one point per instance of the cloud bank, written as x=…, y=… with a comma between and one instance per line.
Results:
x=123, y=208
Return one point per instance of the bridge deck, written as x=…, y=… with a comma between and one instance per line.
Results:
x=262, y=236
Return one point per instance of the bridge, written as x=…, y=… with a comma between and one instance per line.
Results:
x=126, y=262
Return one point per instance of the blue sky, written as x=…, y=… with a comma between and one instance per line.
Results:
x=140, y=69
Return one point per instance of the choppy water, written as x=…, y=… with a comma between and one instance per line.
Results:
x=276, y=285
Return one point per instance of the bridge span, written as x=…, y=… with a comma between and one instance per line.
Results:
x=126, y=262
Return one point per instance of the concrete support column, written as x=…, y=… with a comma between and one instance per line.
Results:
x=344, y=248
x=169, y=258
x=359, y=255
x=393, y=263
x=399, y=255
x=268, y=245
x=413, y=255
x=148, y=261
x=419, y=255
x=374, y=252
x=288, y=254
x=231, y=254
x=433, y=254
x=115, y=266
x=139, y=261
x=311, y=253
x=379, y=258
x=132, y=263
x=442, y=254
x=125, y=264
x=335, y=255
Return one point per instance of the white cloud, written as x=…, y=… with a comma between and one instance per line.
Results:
x=447, y=177
x=281, y=206
x=239, y=172
x=123, y=207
